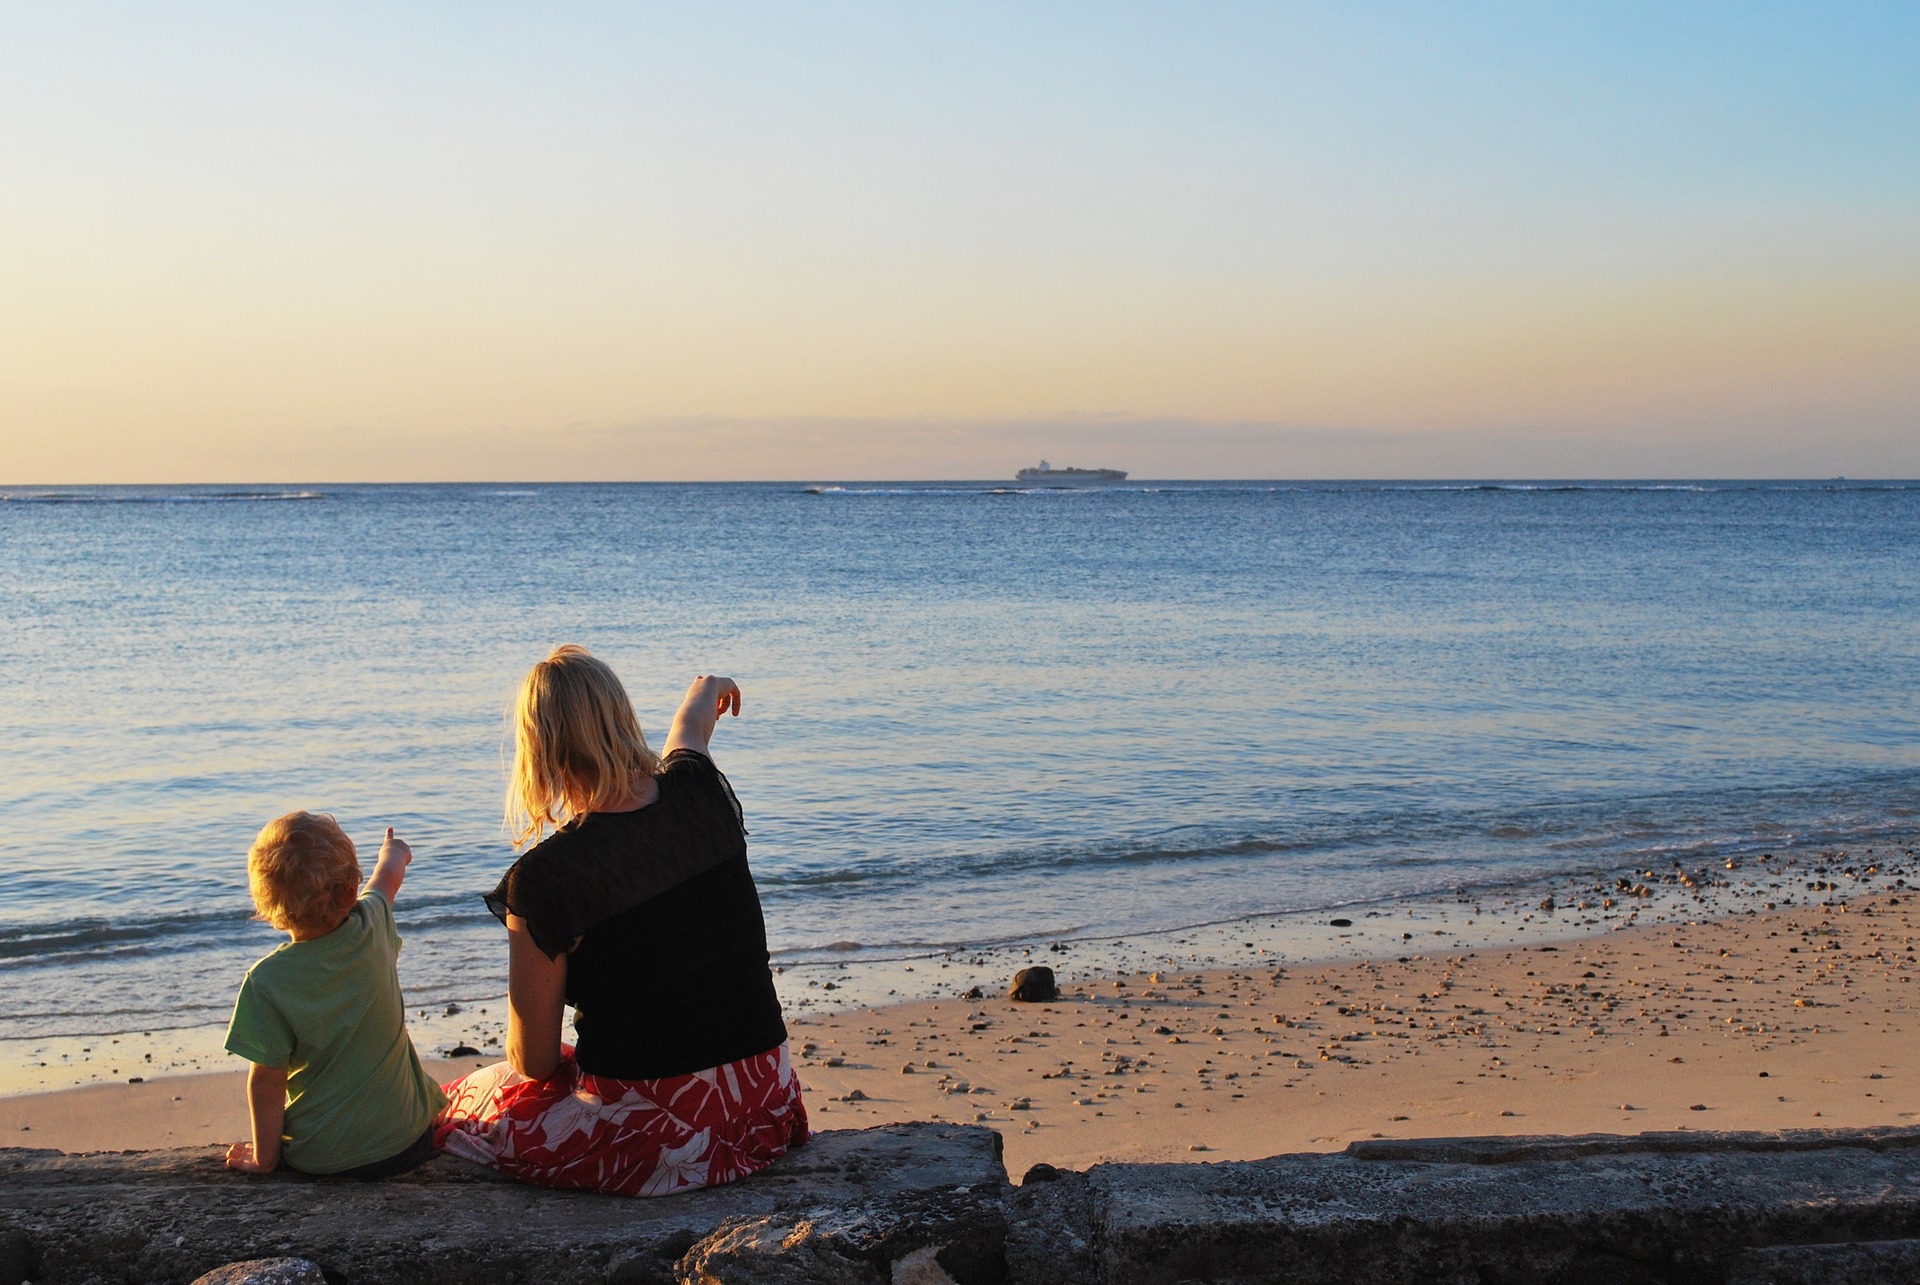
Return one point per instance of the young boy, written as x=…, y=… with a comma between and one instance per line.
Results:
x=335, y=1086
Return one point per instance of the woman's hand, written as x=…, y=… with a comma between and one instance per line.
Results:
x=708, y=698
x=727, y=693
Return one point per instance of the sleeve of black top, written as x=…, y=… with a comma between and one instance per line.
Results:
x=697, y=766
x=522, y=892
x=546, y=889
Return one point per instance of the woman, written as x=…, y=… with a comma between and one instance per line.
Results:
x=639, y=911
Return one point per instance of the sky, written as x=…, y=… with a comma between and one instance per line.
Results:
x=369, y=242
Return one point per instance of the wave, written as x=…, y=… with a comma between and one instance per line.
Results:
x=95, y=939
x=936, y=488
x=1561, y=834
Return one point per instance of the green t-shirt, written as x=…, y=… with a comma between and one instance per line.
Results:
x=330, y=1011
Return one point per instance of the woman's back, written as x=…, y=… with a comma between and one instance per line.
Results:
x=670, y=973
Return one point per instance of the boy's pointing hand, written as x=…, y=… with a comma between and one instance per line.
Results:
x=393, y=847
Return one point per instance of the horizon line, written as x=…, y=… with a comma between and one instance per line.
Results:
x=818, y=480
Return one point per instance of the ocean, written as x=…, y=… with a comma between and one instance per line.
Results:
x=975, y=714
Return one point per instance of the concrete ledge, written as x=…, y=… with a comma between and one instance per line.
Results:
x=1493, y=1151
x=929, y=1205
x=173, y=1215
x=1617, y=1210
x=1894, y=1262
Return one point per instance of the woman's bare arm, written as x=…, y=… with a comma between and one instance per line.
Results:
x=536, y=1003
x=705, y=702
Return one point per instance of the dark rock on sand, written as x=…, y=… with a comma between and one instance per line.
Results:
x=1034, y=986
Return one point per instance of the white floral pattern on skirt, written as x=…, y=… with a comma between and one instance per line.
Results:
x=626, y=1137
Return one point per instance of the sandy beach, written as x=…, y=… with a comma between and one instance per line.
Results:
x=1799, y=1016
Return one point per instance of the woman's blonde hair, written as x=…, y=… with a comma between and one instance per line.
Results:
x=577, y=747
x=302, y=873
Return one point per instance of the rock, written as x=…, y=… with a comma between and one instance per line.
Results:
x=1662, y=1207
x=265, y=1271
x=952, y=1237
x=929, y=1205
x=463, y=1050
x=1887, y=1262
x=18, y=1261
x=775, y=1251
x=975, y=993
x=172, y=1215
x=1034, y=986
x=921, y=1267
x=653, y=1265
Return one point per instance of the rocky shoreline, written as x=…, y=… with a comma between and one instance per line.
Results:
x=926, y=1204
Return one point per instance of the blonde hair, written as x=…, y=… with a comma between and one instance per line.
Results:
x=302, y=873
x=577, y=747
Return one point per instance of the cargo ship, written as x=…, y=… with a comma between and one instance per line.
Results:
x=1048, y=473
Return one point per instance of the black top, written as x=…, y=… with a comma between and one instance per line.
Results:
x=669, y=974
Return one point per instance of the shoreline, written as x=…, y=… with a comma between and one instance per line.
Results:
x=1560, y=908
x=1699, y=1007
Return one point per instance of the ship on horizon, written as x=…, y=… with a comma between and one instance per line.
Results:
x=1048, y=473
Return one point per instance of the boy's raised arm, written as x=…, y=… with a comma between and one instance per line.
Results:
x=391, y=869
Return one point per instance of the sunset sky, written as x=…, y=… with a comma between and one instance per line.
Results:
x=438, y=242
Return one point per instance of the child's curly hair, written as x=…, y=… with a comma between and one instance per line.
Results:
x=303, y=873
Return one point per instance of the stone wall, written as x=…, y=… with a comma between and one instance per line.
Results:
x=929, y=1204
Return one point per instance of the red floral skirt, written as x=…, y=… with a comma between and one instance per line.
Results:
x=626, y=1137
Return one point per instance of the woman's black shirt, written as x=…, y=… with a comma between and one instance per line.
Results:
x=670, y=974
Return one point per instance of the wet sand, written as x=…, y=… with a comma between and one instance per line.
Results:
x=1793, y=1017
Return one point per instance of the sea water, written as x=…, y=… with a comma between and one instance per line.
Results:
x=974, y=713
